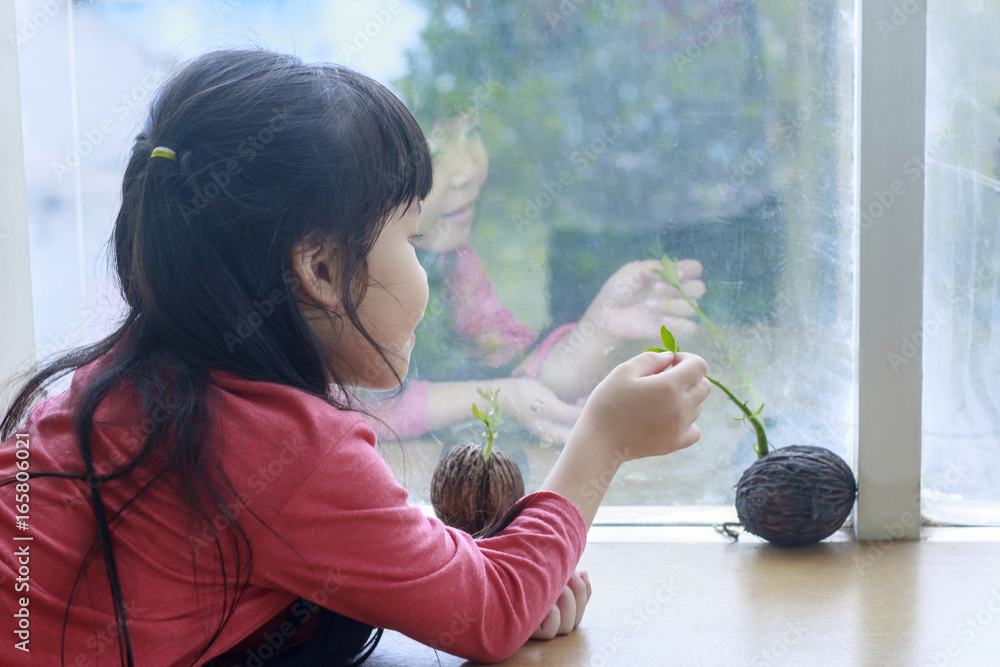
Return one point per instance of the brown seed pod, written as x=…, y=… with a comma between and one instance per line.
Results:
x=469, y=493
x=796, y=495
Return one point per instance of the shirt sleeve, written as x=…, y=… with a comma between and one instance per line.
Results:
x=348, y=540
x=532, y=366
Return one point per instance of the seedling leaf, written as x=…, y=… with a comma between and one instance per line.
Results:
x=669, y=343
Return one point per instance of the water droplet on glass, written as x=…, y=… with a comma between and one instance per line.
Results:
x=536, y=405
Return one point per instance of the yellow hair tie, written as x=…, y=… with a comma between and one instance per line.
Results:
x=163, y=151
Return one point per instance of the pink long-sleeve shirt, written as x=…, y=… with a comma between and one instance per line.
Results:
x=331, y=525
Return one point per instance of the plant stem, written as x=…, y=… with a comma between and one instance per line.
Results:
x=488, y=419
x=758, y=426
x=670, y=276
x=488, y=450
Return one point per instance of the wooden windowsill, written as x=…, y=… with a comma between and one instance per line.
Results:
x=687, y=596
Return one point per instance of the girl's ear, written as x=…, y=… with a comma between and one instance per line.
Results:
x=315, y=266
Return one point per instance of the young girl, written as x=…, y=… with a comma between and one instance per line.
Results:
x=199, y=495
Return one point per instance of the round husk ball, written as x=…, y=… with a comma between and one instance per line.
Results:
x=796, y=495
x=468, y=493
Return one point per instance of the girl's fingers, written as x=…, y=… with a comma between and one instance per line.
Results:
x=691, y=436
x=688, y=269
x=701, y=390
x=567, y=611
x=688, y=369
x=550, y=626
x=582, y=592
x=648, y=364
x=675, y=306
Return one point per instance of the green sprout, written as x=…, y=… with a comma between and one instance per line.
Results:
x=669, y=274
x=490, y=419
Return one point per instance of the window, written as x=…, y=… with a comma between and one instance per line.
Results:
x=722, y=131
x=961, y=327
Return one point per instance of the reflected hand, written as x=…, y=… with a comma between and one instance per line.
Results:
x=635, y=302
x=567, y=612
x=537, y=408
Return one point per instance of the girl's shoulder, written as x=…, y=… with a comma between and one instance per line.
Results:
x=275, y=435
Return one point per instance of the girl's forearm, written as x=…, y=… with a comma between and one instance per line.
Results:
x=584, y=470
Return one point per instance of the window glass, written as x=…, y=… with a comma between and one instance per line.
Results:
x=714, y=131
x=590, y=134
x=960, y=334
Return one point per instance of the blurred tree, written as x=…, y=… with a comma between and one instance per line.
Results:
x=620, y=131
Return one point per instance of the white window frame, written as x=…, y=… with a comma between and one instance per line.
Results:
x=890, y=113
x=890, y=127
x=17, y=334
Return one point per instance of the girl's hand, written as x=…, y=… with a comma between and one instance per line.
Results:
x=567, y=612
x=537, y=408
x=635, y=301
x=647, y=406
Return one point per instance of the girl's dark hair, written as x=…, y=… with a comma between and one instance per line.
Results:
x=270, y=152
